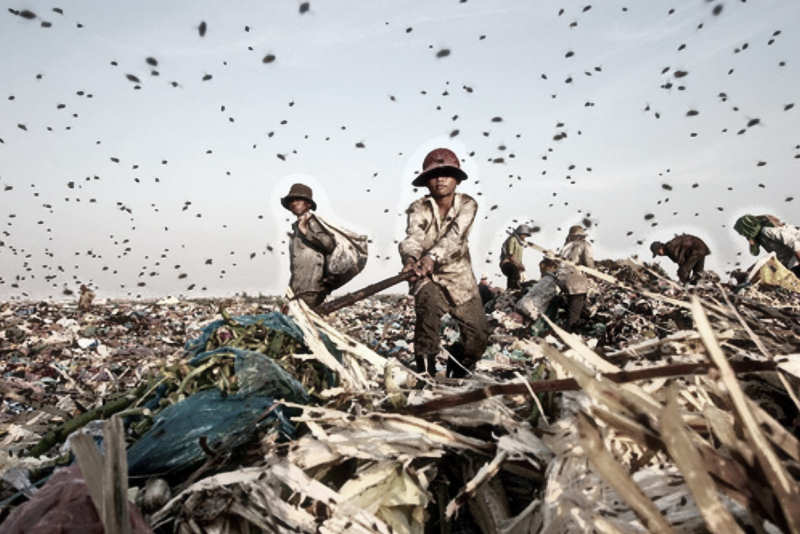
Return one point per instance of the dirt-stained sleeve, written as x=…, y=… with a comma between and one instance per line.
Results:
x=320, y=238
x=449, y=247
x=411, y=246
x=561, y=276
x=588, y=256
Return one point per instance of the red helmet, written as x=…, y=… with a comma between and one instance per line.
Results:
x=439, y=162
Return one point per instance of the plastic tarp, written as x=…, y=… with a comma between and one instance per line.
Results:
x=257, y=373
x=771, y=272
x=173, y=441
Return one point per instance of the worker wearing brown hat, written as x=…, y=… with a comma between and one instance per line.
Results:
x=436, y=248
x=309, y=244
x=688, y=251
x=573, y=283
x=576, y=248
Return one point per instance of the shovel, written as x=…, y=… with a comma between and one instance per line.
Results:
x=355, y=296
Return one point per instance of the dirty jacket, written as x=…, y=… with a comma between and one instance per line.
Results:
x=679, y=249
x=578, y=252
x=446, y=242
x=571, y=280
x=538, y=297
x=784, y=241
x=512, y=249
x=307, y=257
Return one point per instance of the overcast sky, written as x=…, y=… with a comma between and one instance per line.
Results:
x=558, y=118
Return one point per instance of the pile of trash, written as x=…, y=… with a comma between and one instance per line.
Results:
x=670, y=408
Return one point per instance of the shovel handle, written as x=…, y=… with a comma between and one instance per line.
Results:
x=361, y=294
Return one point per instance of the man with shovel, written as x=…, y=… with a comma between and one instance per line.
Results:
x=436, y=250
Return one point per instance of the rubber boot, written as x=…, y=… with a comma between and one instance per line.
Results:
x=454, y=370
x=432, y=364
x=420, y=360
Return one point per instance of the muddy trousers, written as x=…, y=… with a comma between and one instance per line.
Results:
x=430, y=304
x=312, y=298
x=694, y=263
x=513, y=275
x=575, y=304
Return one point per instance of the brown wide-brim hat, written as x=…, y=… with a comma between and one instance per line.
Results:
x=439, y=162
x=300, y=191
x=577, y=230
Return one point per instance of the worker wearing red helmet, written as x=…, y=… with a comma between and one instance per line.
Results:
x=436, y=248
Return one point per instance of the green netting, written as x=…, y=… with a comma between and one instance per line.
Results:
x=275, y=321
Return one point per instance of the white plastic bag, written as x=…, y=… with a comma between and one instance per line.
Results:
x=348, y=258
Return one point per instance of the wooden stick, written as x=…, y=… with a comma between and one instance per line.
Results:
x=569, y=384
x=784, y=485
x=679, y=443
x=605, y=465
x=762, y=348
x=361, y=294
x=91, y=464
x=116, y=517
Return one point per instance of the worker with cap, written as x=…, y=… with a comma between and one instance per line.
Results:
x=436, y=249
x=574, y=284
x=511, y=256
x=775, y=236
x=309, y=243
x=576, y=247
x=688, y=251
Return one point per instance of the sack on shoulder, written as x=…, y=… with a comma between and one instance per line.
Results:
x=348, y=258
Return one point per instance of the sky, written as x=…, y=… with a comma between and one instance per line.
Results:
x=641, y=119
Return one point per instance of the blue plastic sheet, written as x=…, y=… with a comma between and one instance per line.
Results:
x=172, y=444
x=257, y=373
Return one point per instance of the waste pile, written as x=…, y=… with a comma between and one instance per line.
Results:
x=670, y=408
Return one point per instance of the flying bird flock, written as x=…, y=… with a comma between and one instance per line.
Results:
x=144, y=148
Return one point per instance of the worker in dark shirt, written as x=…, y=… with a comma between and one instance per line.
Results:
x=688, y=251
